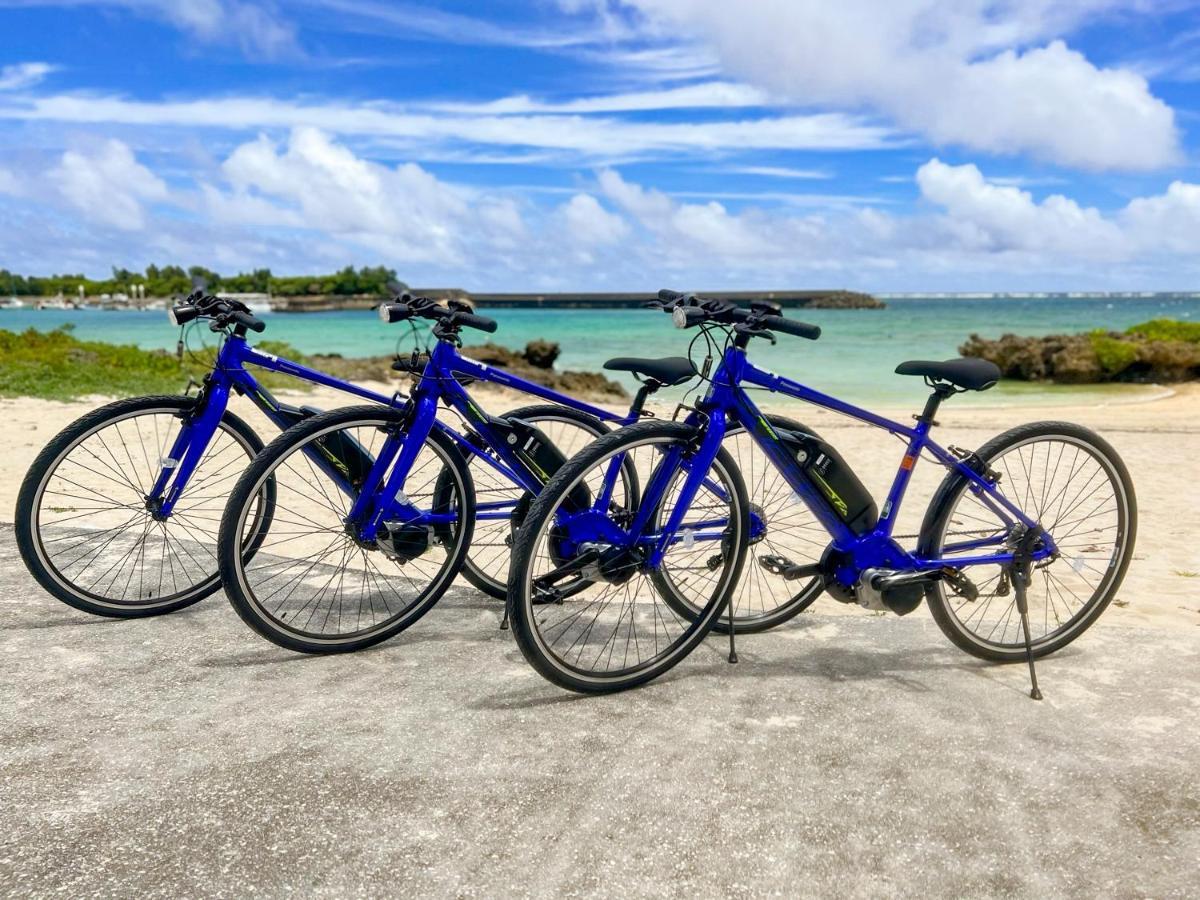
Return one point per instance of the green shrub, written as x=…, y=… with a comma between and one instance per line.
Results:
x=1167, y=330
x=1113, y=354
x=55, y=365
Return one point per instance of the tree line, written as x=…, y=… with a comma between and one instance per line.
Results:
x=166, y=281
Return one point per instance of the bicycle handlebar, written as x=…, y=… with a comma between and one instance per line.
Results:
x=407, y=306
x=791, y=326
x=688, y=311
x=249, y=320
x=223, y=312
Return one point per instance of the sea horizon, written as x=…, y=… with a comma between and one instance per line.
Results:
x=854, y=358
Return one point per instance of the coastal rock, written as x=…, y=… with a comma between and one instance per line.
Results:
x=1092, y=358
x=536, y=363
x=841, y=300
x=542, y=354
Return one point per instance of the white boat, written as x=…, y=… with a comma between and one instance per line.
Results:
x=56, y=303
x=11, y=303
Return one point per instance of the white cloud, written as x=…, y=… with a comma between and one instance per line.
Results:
x=108, y=185
x=999, y=218
x=256, y=28
x=1167, y=223
x=781, y=172
x=9, y=184
x=594, y=137
x=708, y=95
x=19, y=76
x=411, y=20
x=310, y=201
x=960, y=71
x=590, y=224
x=404, y=212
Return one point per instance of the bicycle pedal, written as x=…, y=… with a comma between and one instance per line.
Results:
x=788, y=570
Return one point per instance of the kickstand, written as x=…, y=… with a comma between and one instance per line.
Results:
x=504, y=621
x=733, y=658
x=1020, y=578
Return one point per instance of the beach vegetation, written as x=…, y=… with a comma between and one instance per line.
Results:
x=1113, y=354
x=168, y=281
x=56, y=365
x=1167, y=330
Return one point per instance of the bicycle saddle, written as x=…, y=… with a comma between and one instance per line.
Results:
x=669, y=370
x=969, y=373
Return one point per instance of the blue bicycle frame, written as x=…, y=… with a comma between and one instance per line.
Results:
x=726, y=401
x=382, y=494
x=438, y=382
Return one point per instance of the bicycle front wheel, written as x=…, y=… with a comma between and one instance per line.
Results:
x=312, y=585
x=584, y=601
x=83, y=526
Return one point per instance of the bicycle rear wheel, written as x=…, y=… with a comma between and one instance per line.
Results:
x=487, y=561
x=1074, y=485
x=312, y=585
x=82, y=523
x=586, y=611
x=781, y=526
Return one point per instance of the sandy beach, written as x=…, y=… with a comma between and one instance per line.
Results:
x=1159, y=440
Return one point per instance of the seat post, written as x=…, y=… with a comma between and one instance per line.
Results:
x=940, y=393
x=649, y=386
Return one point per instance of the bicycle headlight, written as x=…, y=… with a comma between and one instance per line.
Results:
x=679, y=317
x=172, y=317
x=385, y=314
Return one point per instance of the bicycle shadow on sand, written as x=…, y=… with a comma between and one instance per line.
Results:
x=911, y=670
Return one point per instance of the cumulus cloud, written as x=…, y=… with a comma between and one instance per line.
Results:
x=998, y=218
x=404, y=211
x=590, y=224
x=311, y=200
x=966, y=72
x=107, y=185
x=1166, y=223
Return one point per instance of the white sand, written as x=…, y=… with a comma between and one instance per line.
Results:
x=1159, y=441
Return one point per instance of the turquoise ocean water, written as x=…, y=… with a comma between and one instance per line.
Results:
x=853, y=359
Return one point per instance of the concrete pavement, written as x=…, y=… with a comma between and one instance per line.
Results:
x=855, y=756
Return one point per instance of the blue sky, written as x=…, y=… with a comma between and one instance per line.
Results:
x=591, y=144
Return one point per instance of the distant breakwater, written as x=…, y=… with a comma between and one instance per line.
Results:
x=787, y=299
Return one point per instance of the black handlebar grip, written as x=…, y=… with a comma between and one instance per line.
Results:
x=670, y=296
x=249, y=321
x=688, y=316
x=470, y=320
x=391, y=313
x=181, y=315
x=792, y=327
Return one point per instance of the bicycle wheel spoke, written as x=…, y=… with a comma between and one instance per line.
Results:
x=312, y=578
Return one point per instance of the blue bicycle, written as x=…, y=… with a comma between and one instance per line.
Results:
x=118, y=515
x=356, y=555
x=1022, y=547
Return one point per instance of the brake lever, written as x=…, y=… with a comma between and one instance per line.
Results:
x=755, y=331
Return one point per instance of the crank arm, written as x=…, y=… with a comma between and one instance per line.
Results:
x=571, y=567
